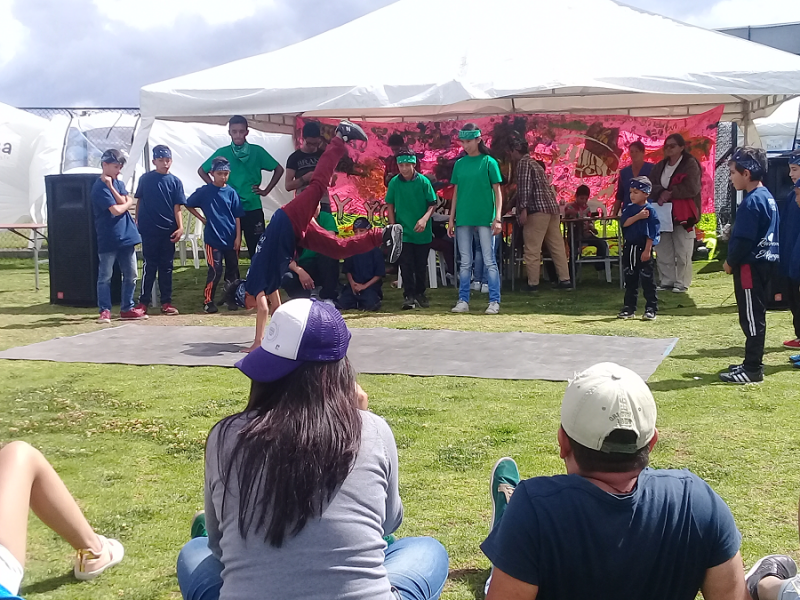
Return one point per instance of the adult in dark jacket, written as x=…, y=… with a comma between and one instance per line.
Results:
x=677, y=180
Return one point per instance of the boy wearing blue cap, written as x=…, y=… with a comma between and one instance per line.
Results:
x=752, y=247
x=222, y=234
x=365, y=272
x=641, y=231
x=158, y=216
x=117, y=237
x=790, y=250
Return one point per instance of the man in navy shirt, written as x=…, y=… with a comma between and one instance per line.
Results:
x=158, y=216
x=222, y=214
x=116, y=238
x=365, y=274
x=752, y=247
x=612, y=527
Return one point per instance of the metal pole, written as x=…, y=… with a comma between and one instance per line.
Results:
x=796, y=126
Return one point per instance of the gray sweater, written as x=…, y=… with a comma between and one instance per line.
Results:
x=338, y=556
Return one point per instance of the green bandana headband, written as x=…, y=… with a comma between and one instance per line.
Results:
x=469, y=134
x=407, y=158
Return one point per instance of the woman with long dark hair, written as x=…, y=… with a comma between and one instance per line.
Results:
x=302, y=486
x=476, y=207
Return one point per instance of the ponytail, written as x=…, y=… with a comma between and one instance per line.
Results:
x=483, y=148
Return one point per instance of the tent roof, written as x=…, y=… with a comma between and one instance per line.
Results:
x=449, y=58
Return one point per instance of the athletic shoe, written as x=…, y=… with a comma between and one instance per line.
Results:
x=664, y=288
x=460, y=307
x=232, y=306
x=493, y=308
x=105, y=316
x=742, y=376
x=649, y=315
x=774, y=565
x=626, y=313
x=502, y=483
x=134, y=314
x=792, y=343
x=393, y=241
x=409, y=304
x=351, y=132
x=679, y=290
x=735, y=368
x=564, y=285
x=141, y=307
x=475, y=286
x=484, y=288
x=530, y=288
x=210, y=308
x=168, y=309
x=89, y=565
x=794, y=358
x=422, y=301
x=198, y=528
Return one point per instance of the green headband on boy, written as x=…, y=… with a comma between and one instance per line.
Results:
x=407, y=158
x=469, y=134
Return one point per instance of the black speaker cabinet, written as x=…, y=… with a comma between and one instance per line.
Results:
x=72, y=242
x=779, y=184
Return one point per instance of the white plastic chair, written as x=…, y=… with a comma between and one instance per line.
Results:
x=432, y=280
x=192, y=236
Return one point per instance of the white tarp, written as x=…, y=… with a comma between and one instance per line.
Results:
x=778, y=131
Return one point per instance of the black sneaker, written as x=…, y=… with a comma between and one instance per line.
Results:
x=210, y=308
x=626, y=313
x=742, y=376
x=563, y=285
x=393, y=241
x=232, y=306
x=229, y=291
x=774, y=565
x=409, y=303
x=649, y=315
x=422, y=301
x=530, y=288
x=734, y=368
x=351, y=132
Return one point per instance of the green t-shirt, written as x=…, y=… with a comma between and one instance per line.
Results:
x=327, y=222
x=411, y=200
x=475, y=202
x=245, y=173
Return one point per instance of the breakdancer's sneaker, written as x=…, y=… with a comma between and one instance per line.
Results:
x=393, y=241
x=351, y=132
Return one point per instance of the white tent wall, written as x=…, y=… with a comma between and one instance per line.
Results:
x=779, y=130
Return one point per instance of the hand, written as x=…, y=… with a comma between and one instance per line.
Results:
x=251, y=348
x=237, y=245
x=727, y=267
x=333, y=180
x=307, y=177
x=106, y=179
x=522, y=216
x=363, y=399
x=357, y=287
x=305, y=279
x=645, y=255
x=420, y=226
x=257, y=190
x=497, y=227
x=176, y=235
x=643, y=214
x=451, y=230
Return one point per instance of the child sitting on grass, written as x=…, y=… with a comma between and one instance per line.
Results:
x=365, y=273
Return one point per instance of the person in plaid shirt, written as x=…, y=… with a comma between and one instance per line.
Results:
x=538, y=214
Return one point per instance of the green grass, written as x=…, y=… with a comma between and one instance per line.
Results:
x=128, y=440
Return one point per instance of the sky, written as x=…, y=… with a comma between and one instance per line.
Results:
x=99, y=53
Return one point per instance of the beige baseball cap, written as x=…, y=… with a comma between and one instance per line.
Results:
x=604, y=398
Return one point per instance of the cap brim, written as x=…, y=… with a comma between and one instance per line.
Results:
x=261, y=365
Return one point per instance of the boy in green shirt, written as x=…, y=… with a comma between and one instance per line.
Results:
x=247, y=162
x=411, y=201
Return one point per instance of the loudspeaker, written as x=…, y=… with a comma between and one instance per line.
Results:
x=72, y=242
x=779, y=184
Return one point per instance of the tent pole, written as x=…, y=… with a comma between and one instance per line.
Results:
x=796, y=126
x=746, y=121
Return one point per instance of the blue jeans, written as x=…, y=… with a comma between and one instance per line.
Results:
x=479, y=270
x=126, y=257
x=417, y=568
x=464, y=241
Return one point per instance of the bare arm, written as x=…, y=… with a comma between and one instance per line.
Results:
x=291, y=183
x=390, y=214
x=725, y=581
x=204, y=176
x=197, y=214
x=121, y=209
x=178, y=233
x=505, y=587
x=276, y=177
x=237, y=244
x=642, y=214
x=262, y=307
x=498, y=200
x=451, y=229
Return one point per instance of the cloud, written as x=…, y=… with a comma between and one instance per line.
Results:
x=740, y=13
x=12, y=33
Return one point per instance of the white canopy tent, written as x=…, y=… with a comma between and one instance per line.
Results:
x=443, y=59
x=779, y=130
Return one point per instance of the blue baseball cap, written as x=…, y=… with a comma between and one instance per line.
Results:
x=162, y=151
x=302, y=330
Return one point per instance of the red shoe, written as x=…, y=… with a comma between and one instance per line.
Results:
x=105, y=316
x=168, y=309
x=135, y=314
x=792, y=343
x=141, y=307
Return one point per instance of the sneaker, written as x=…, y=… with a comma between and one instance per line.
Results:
x=735, y=368
x=649, y=315
x=530, y=288
x=210, y=308
x=460, y=307
x=168, y=309
x=351, y=132
x=105, y=316
x=393, y=241
x=89, y=565
x=742, y=376
x=409, y=304
x=626, y=313
x=794, y=358
x=133, y=314
x=792, y=343
x=475, y=286
x=493, y=308
x=502, y=483
x=484, y=288
x=141, y=307
x=664, y=288
x=680, y=290
x=422, y=301
x=774, y=565
x=232, y=306
x=198, y=528
x=564, y=285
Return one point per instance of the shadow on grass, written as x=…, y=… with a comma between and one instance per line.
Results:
x=695, y=380
x=475, y=579
x=736, y=351
x=50, y=322
x=40, y=309
x=49, y=585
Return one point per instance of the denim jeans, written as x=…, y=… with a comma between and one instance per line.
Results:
x=464, y=241
x=417, y=568
x=126, y=257
x=479, y=270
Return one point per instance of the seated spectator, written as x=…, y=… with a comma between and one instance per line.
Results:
x=587, y=232
x=365, y=272
x=302, y=486
x=312, y=270
x=611, y=527
x=774, y=577
x=29, y=482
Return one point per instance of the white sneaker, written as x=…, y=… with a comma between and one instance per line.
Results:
x=493, y=308
x=460, y=307
x=485, y=288
x=680, y=290
x=475, y=286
